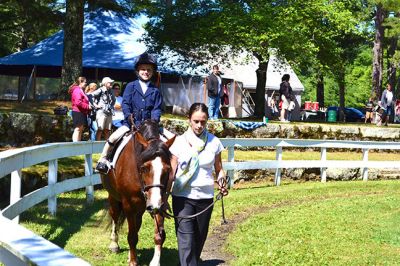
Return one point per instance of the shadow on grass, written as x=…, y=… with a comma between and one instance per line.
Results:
x=75, y=213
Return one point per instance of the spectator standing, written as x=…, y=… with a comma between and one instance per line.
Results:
x=387, y=101
x=286, y=92
x=105, y=100
x=369, y=108
x=214, y=88
x=141, y=100
x=195, y=154
x=118, y=115
x=92, y=115
x=80, y=107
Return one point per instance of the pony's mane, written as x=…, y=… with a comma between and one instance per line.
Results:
x=151, y=132
x=154, y=149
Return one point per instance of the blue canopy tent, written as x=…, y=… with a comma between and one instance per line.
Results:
x=110, y=44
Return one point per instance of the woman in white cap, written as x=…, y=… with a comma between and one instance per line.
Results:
x=141, y=100
x=104, y=98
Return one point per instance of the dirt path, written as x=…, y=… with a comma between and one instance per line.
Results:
x=213, y=252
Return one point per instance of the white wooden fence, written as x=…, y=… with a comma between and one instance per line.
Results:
x=19, y=246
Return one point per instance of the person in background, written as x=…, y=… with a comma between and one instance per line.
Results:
x=286, y=92
x=369, y=108
x=214, y=88
x=80, y=107
x=141, y=101
x=194, y=155
x=92, y=115
x=118, y=115
x=105, y=100
x=387, y=101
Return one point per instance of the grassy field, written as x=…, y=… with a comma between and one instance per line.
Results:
x=336, y=223
x=35, y=107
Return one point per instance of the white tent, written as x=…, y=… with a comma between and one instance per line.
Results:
x=277, y=67
x=246, y=73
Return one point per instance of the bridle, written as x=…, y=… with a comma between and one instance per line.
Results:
x=144, y=188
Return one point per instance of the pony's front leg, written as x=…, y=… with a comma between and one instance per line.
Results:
x=115, y=212
x=159, y=238
x=114, y=247
x=134, y=223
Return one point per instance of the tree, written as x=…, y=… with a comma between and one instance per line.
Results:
x=24, y=23
x=73, y=43
x=377, y=65
x=208, y=31
x=73, y=37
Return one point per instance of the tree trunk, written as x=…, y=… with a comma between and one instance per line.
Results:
x=377, y=65
x=320, y=90
x=261, y=72
x=73, y=42
x=391, y=68
x=341, y=82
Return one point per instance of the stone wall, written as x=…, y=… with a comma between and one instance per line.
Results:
x=226, y=129
x=21, y=129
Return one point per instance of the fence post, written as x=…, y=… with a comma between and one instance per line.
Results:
x=323, y=169
x=15, y=190
x=231, y=158
x=278, y=170
x=365, y=169
x=52, y=180
x=89, y=171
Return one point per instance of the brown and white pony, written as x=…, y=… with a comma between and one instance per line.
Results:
x=138, y=183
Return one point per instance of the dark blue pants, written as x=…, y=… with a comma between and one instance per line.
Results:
x=191, y=233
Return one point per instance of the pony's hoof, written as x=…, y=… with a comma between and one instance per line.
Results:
x=114, y=249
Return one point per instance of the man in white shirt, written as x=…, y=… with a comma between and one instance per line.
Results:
x=387, y=100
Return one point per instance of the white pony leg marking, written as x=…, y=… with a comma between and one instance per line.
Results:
x=114, y=247
x=155, y=198
x=157, y=255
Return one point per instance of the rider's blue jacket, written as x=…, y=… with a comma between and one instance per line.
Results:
x=142, y=106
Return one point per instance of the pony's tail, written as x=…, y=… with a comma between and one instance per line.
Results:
x=120, y=221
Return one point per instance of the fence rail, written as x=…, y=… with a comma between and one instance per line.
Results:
x=13, y=161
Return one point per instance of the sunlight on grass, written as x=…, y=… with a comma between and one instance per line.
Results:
x=310, y=155
x=32, y=107
x=332, y=228
x=336, y=223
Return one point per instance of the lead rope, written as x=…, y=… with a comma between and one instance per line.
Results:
x=220, y=196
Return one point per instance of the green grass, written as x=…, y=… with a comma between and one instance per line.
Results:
x=32, y=107
x=346, y=223
x=337, y=223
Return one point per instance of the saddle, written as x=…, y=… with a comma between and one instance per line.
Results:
x=116, y=149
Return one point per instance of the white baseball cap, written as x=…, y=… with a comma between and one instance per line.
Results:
x=106, y=80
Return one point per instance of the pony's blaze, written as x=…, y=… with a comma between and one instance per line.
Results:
x=155, y=200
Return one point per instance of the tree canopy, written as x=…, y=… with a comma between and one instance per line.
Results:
x=334, y=44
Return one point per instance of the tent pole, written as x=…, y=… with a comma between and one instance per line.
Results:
x=205, y=91
x=34, y=83
x=19, y=89
x=28, y=86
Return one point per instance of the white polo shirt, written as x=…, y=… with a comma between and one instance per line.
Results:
x=201, y=185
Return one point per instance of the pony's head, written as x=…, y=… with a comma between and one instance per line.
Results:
x=154, y=170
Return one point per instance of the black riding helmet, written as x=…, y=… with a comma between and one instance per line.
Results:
x=145, y=58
